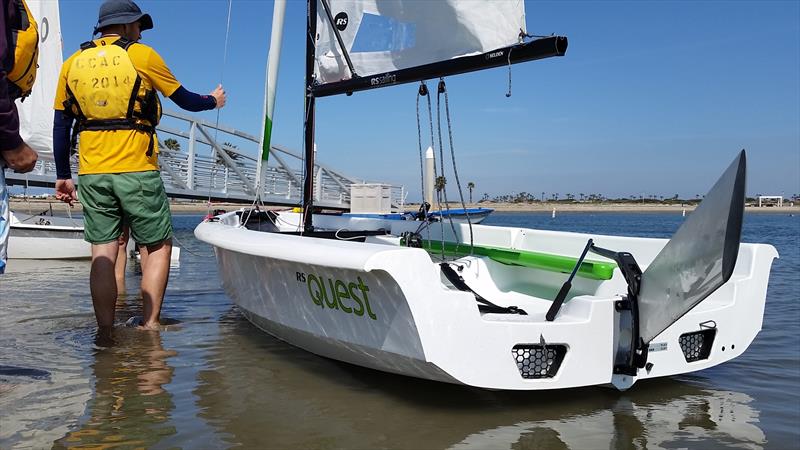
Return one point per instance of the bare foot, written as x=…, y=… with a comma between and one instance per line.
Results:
x=104, y=337
x=151, y=326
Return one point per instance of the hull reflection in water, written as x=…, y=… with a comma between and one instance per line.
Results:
x=709, y=418
x=324, y=403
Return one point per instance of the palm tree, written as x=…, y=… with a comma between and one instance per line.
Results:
x=226, y=147
x=439, y=183
x=470, y=186
x=172, y=144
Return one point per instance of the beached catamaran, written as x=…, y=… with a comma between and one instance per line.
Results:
x=493, y=307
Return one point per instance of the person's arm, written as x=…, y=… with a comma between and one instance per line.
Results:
x=10, y=140
x=193, y=102
x=149, y=62
x=21, y=159
x=62, y=124
x=65, y=188
x=14, y=152
x=9, y=120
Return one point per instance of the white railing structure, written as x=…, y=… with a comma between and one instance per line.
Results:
x=770, y=200
x=202, y=161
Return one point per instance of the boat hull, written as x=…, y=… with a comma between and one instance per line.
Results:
x=389, y=308
x=46, y=237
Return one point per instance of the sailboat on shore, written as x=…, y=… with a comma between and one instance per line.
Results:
x=491, y=307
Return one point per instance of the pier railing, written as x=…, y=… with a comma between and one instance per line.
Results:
x=203, y=161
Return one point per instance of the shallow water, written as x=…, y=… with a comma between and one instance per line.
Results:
x=215, y=381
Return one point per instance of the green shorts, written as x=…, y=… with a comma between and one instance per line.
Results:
x=137, y=199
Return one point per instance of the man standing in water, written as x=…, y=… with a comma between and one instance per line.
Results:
x=18, y=48
x=108, y=88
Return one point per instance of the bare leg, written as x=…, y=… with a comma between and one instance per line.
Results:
x=122, y=260
x=102, y=283
x=155, y=274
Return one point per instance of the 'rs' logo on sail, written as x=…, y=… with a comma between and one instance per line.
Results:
x=340, y=21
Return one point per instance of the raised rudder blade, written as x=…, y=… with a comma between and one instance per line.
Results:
x=698, y=259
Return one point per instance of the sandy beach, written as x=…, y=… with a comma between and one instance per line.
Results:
x=39, y=205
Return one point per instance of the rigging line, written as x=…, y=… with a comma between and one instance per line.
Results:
x=455, y=170
x=307, y=113
x=212, y=181
x=250, y=212
x=224, y=59
x=423, y=91
x=442, y=89
x=69, y=214
x=435, y=173
x=351, y=238
x=185, y=248
x=508, y=94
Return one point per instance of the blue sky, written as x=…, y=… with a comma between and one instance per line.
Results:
x=653, y=97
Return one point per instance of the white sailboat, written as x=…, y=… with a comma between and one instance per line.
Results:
x=45, y=236
x=491, y=307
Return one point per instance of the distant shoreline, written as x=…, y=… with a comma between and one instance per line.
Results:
x=608, y=207
x=40, y=205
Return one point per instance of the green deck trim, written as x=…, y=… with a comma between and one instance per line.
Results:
x=593, y=270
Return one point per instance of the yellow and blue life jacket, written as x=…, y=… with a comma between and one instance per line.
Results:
x=105, y=92
x=25, y=41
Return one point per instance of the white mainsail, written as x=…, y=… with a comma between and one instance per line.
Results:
x=383, y=36
x=36, y=112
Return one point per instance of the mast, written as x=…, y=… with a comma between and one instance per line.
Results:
x=508, y=48
x=308, y=182
x=273, y=60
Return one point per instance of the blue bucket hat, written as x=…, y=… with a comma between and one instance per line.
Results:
x=119, y=12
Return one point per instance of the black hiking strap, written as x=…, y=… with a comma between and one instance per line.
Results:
x=134, y=94
x=115, y=124
x=121, y=42
x=483, y=305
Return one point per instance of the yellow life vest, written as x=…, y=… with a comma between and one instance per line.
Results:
x=105, y=92
x=25, y=40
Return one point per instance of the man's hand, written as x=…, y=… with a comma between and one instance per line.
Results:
x=219, y=96
x=65, y=191
x=21, y=159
